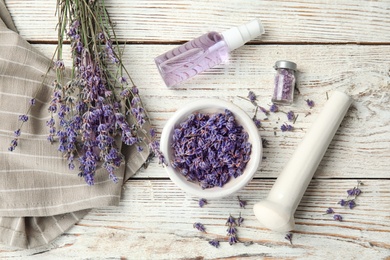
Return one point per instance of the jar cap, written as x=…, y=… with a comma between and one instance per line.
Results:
x=285, y=64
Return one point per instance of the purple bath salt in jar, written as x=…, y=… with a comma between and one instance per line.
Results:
x=284, y=82
x=204, y=52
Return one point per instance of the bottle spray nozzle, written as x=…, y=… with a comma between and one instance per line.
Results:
x=238, y=36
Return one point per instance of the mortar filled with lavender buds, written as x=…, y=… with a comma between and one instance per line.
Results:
x=212, y=148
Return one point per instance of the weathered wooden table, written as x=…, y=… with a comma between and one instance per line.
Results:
x=337, y=46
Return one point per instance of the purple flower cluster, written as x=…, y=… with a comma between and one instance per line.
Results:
x=232, y=230
x=286, y=127
x=349, y=202
x=210, y=149
x=310, y=103
x=200, y=227
x=202, y=202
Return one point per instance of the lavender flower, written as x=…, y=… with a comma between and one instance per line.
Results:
x=199, y=226
x=17, y=132
x=230, y=221
x=231, y=231
x=329, y=211
x=32, y=102
x=289, y=237
x=23, y=118
x=286, y=127
x=240, y=220
x=274, y=108
x=257, y=122
x=242, y=203
x=232, y=240
x=337, y=217
x=214, y=243
x=13, y=145
x=202, y=202
x=310, y=103
x=351, y=204
x=290, y=116
x=252, y=96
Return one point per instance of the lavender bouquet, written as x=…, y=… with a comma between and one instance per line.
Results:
x=95, y=105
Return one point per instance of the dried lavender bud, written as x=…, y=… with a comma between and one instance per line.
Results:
x=338, y=217
x=242, y=203
x=199, y=226
x=23, y=118
x=274, y=108
x=214, y=243
x=257, y=122
x=310, y=103
x=210, y=149
x=240, y=220
x=17, y=132
x=354, y=192
x=32, y=102
x=329, y=211
x=252, y=96
x=342, y=202
x=289, y=237
x=351, y=204
x=230, y=221
x=232, y=240
x=231, y=231
x=202, y=202
x=286, y=127
x=290, y=116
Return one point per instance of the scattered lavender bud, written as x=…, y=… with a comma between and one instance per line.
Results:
x=289, y=237
x=32, y=101
x=202, y=202
x=23, y=118
x=310, y=103
x=274, y=108
x=252, y=96
x=257, y=122
x=290, y=116
x=231, y=231
x=17, y=133
x=342, y=202
x=199, y=226
x=262, y=109
x=240, y=220
x=286, y=127
x=230, y=221
x=232, y=240
x=214, y=243
x=337, y=217
x=329, y=211
x=351, y=204
x=242, y=203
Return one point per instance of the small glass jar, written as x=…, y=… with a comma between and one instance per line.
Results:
x=284, y=82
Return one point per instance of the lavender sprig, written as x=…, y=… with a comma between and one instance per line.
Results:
x=86, y=112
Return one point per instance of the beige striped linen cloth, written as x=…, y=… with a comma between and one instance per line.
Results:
x=40, y=198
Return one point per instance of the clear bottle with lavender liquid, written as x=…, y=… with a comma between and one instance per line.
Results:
x=285, y=81
x=204, y=52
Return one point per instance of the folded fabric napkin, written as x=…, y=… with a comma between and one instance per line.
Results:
x=40, y=198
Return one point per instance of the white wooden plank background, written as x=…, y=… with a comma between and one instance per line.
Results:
x=343, y=45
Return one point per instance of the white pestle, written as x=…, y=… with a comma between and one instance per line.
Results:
x=276, y=212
